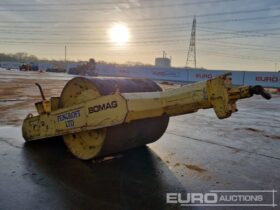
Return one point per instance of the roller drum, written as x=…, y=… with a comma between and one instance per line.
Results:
x=106, y=141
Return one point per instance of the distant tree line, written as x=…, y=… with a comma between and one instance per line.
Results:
x=24, y=57
x=127, y=64
x=18, y=57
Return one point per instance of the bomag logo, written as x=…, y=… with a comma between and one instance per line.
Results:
x=102, y=107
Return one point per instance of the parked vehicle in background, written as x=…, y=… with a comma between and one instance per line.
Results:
x=85, y=69
x=28, y=67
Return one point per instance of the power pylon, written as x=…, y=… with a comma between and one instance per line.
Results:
x=192, y=48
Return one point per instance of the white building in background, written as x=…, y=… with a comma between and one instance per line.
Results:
x=163, y=61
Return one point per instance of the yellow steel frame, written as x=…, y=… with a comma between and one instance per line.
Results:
x=118, y=108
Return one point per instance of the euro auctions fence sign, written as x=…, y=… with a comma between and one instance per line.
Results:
x=200, y=75
x=264, y=78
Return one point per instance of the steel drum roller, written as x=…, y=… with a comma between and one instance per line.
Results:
x=104, y=141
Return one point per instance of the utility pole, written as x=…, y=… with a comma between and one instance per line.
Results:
x=192, y=48
x=65, y=54
x=65, y=57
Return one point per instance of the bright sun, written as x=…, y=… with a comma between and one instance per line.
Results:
x=119, y=34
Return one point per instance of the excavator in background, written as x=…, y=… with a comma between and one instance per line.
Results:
x=84, y=69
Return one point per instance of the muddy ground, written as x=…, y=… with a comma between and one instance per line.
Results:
x=198, y=153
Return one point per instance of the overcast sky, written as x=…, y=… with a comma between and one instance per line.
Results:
x=231, y=34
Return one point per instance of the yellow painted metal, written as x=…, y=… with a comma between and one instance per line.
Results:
x=215, y=93
x=83, y=114
x=187, y=99
x=219, y=97
x=47, y=106
x=54, y=103
x=85, y=144
x=77, y=118
x=43, y=106
x=237, y=93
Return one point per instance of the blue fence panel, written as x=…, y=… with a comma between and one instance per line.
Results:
x=237, y=77
x=201, y=75
x=266, y=79
x=167, y=74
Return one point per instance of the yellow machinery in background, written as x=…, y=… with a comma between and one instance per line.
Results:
x=102, y=116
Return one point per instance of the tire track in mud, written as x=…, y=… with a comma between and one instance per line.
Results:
x=10, y=143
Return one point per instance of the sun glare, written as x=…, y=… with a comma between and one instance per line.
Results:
x=119, y=34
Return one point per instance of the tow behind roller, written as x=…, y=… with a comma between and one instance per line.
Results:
x=102, y=116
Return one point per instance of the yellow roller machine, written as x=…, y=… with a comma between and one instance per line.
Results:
x=102, y=116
